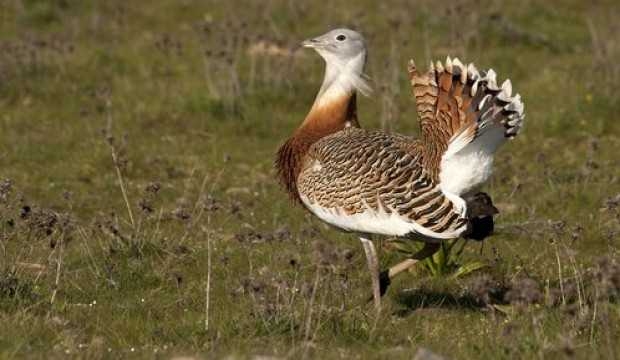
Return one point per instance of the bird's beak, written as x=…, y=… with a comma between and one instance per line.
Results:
x=312, y=43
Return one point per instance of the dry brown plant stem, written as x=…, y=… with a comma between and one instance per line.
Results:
x=121, y=182
x=560, y=277
x=58, y=269
x=315, y=286
x=208, y=285
x=119, y=174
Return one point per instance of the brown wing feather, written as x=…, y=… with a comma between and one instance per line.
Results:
x=452, y=102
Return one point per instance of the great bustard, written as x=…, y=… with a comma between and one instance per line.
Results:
x=371, y=182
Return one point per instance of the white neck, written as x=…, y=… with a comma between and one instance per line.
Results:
x=342, y=78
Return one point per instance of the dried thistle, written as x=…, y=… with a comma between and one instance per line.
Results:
x=524, y=291
x=485, y=290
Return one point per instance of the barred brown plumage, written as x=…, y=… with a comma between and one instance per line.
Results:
x=372, y=182
x=356, y=171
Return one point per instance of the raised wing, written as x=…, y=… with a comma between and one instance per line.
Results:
x=458, y=106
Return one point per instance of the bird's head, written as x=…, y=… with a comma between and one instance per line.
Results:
x=338, y=45
x=344, y=52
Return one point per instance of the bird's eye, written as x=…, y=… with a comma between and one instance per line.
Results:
x=341, y=37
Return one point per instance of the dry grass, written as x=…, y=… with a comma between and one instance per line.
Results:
x=142, y=218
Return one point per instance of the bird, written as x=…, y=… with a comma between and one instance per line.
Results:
x=370, y=182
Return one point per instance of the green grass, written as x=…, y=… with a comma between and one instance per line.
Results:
x=185, y=104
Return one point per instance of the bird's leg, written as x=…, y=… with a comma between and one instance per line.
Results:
x=386, y=276
x=373, y=266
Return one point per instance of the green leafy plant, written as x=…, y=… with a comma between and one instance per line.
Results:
x=446, y=262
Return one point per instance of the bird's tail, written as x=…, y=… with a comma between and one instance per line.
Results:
x=480, y=212
x=458, y=105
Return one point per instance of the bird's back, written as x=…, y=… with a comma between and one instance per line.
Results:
x=374, y=182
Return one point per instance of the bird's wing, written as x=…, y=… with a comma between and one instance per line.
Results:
x=457, y=104
x=463, y=111
x=370, y=182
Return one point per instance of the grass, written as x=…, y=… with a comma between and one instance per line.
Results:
x=193, y=99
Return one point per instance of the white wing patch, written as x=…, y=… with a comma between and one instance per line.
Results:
x=376, y=222
x=468, y=160
x=467, y=168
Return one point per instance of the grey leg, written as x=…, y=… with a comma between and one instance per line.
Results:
x=373, y=266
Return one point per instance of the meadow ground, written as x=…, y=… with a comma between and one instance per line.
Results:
x=140, y=216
